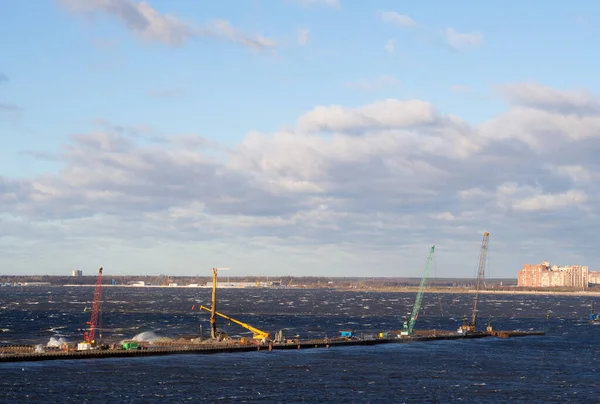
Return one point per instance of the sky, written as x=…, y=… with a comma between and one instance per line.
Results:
x=298, y=137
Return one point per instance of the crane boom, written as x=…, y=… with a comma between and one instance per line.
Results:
x=469, y=327
x=409, y=328
x=258, y=334
x=90, y=335
x=480, y=274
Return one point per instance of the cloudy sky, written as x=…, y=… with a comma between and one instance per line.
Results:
x=297, y=137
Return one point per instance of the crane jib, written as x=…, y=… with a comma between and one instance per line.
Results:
x=415, y=313
x=258, y=334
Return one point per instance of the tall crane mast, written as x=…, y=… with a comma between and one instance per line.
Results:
x=480, y=274
x=410, y=325
x=90, y=335
x=213, y=309
x=213, y=312
x=472, y=325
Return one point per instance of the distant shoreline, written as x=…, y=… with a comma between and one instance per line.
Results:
x=472, y=291
x=382, y=290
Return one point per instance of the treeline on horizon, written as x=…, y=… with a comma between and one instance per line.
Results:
x=313, y=281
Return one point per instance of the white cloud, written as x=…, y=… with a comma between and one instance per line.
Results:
x=551, y=201
x=546, y=119
x=390, y=46
x=445, y=216
x=150, y=25
x=575, y=173
x=535, y=95
x=461, y=41
x=375, y=183
x=473, y=193
x=530, y=198
x=303, y=36
x=395, y=18
x=387, y=114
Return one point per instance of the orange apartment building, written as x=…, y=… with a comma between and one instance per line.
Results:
x=546, y=276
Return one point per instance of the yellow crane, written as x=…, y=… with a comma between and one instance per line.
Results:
x=257, y=334
x=213, y=310
x=213, y=319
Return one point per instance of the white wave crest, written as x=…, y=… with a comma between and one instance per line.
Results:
x=56, y=342
x=146, y=336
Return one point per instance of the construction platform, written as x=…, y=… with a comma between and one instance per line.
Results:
x=21, y=353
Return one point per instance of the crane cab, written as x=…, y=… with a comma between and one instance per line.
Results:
x=84, y=346
x=466, y=328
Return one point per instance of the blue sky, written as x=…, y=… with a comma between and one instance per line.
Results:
x=275, y=90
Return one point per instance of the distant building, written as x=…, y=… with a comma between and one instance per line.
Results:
x=77, y=273
x=594, y=277
x=223, y=284
x=546, y=276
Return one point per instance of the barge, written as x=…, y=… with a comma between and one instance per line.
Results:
x=28, y=353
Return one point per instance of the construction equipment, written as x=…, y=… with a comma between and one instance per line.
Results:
x=213, y=316
x=257, y=334
x=279, y=337
x=471, y=326
x=213, y=311
x=130, y=345
x=409, y=326
x=89, y=337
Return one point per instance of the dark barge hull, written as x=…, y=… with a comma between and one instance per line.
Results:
x=204, y=349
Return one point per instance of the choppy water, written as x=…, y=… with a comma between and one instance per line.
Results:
x=561, y=366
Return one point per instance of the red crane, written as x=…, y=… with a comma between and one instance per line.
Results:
x=90, y=336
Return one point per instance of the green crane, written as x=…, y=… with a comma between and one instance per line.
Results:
x=410, y=325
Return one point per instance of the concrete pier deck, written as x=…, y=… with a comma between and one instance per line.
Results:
x=20, y=353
